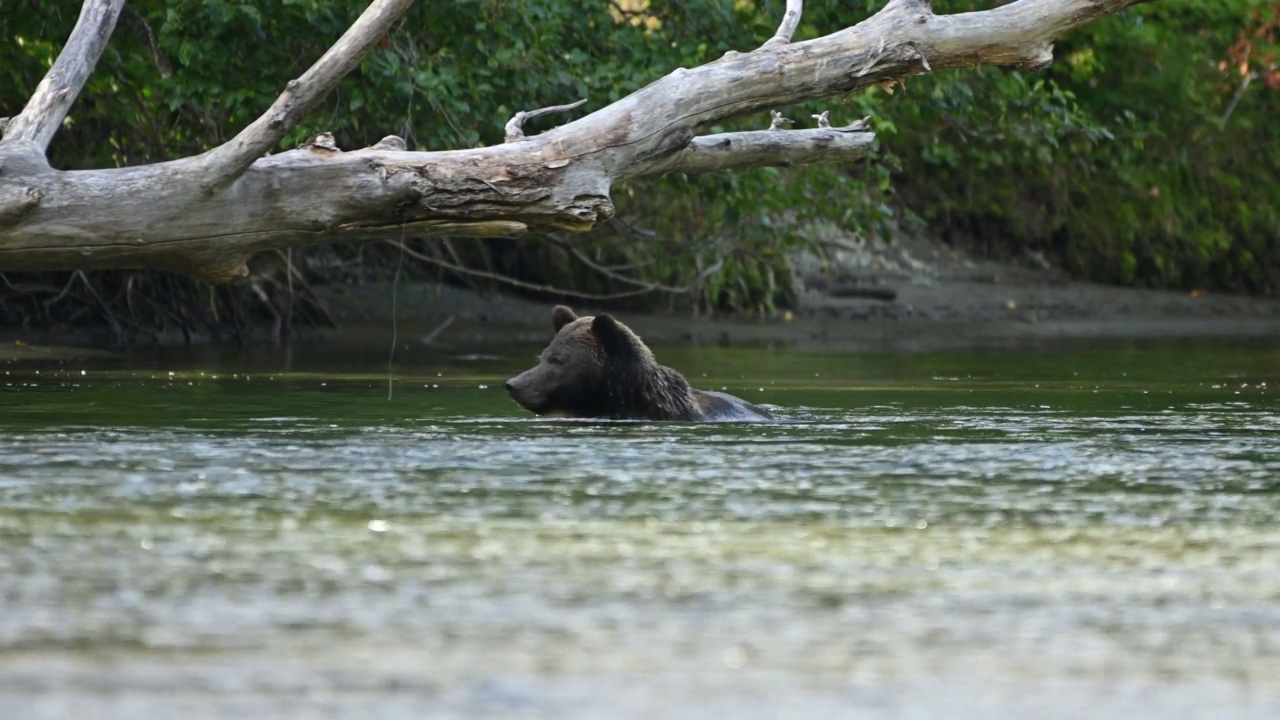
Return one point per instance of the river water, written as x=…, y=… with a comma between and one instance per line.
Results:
x=1085, y=530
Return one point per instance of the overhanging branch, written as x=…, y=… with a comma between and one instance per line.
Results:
x=164, y=215
x=43, y=115
x=768, y=148
x=228, y=161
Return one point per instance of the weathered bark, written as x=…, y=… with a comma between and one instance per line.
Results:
x=227, y=162
x=48, y=106
x=790, y=21
x=208, y=214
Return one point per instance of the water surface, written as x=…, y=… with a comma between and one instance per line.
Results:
x=1067, y=531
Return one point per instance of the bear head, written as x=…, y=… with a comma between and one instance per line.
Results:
x=596, y=367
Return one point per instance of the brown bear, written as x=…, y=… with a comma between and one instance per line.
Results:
x=596, y=367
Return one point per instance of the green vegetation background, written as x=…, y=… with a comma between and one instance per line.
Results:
x=1148, y=153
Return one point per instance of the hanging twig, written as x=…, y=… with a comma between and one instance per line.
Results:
x=507, y=280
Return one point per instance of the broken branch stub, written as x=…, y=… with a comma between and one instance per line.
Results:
x=790, y=21
x=515, y=126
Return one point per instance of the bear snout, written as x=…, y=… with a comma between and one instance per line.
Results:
x=525, y=392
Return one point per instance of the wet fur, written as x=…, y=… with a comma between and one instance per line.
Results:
x=596, y=367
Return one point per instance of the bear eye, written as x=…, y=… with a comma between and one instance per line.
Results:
x=555, y=360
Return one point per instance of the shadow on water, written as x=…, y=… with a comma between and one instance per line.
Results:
x=1078, y=530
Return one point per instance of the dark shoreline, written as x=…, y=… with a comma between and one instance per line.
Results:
x=940, y=314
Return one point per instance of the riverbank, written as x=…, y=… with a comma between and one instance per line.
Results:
x=915, y=294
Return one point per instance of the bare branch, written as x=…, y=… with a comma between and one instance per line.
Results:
x=895, y=43
x=135, y=21
x=908, y=5
x=515, y=126
x=614, y=274
x=40, y=119
x=769, y=148
x=790, y=21
x=1235, y=99
x=515, y=282
x=228, y=161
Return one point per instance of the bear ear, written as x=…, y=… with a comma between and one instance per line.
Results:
x=616, y=338
x=561, y=316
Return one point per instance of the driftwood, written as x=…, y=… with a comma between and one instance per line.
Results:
x=207, y=214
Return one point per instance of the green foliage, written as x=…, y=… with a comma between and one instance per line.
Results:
x=1141, y=156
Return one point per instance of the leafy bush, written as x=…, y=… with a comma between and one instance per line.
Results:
x=1147, y=154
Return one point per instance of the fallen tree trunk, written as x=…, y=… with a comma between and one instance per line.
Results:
x=206, y=215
